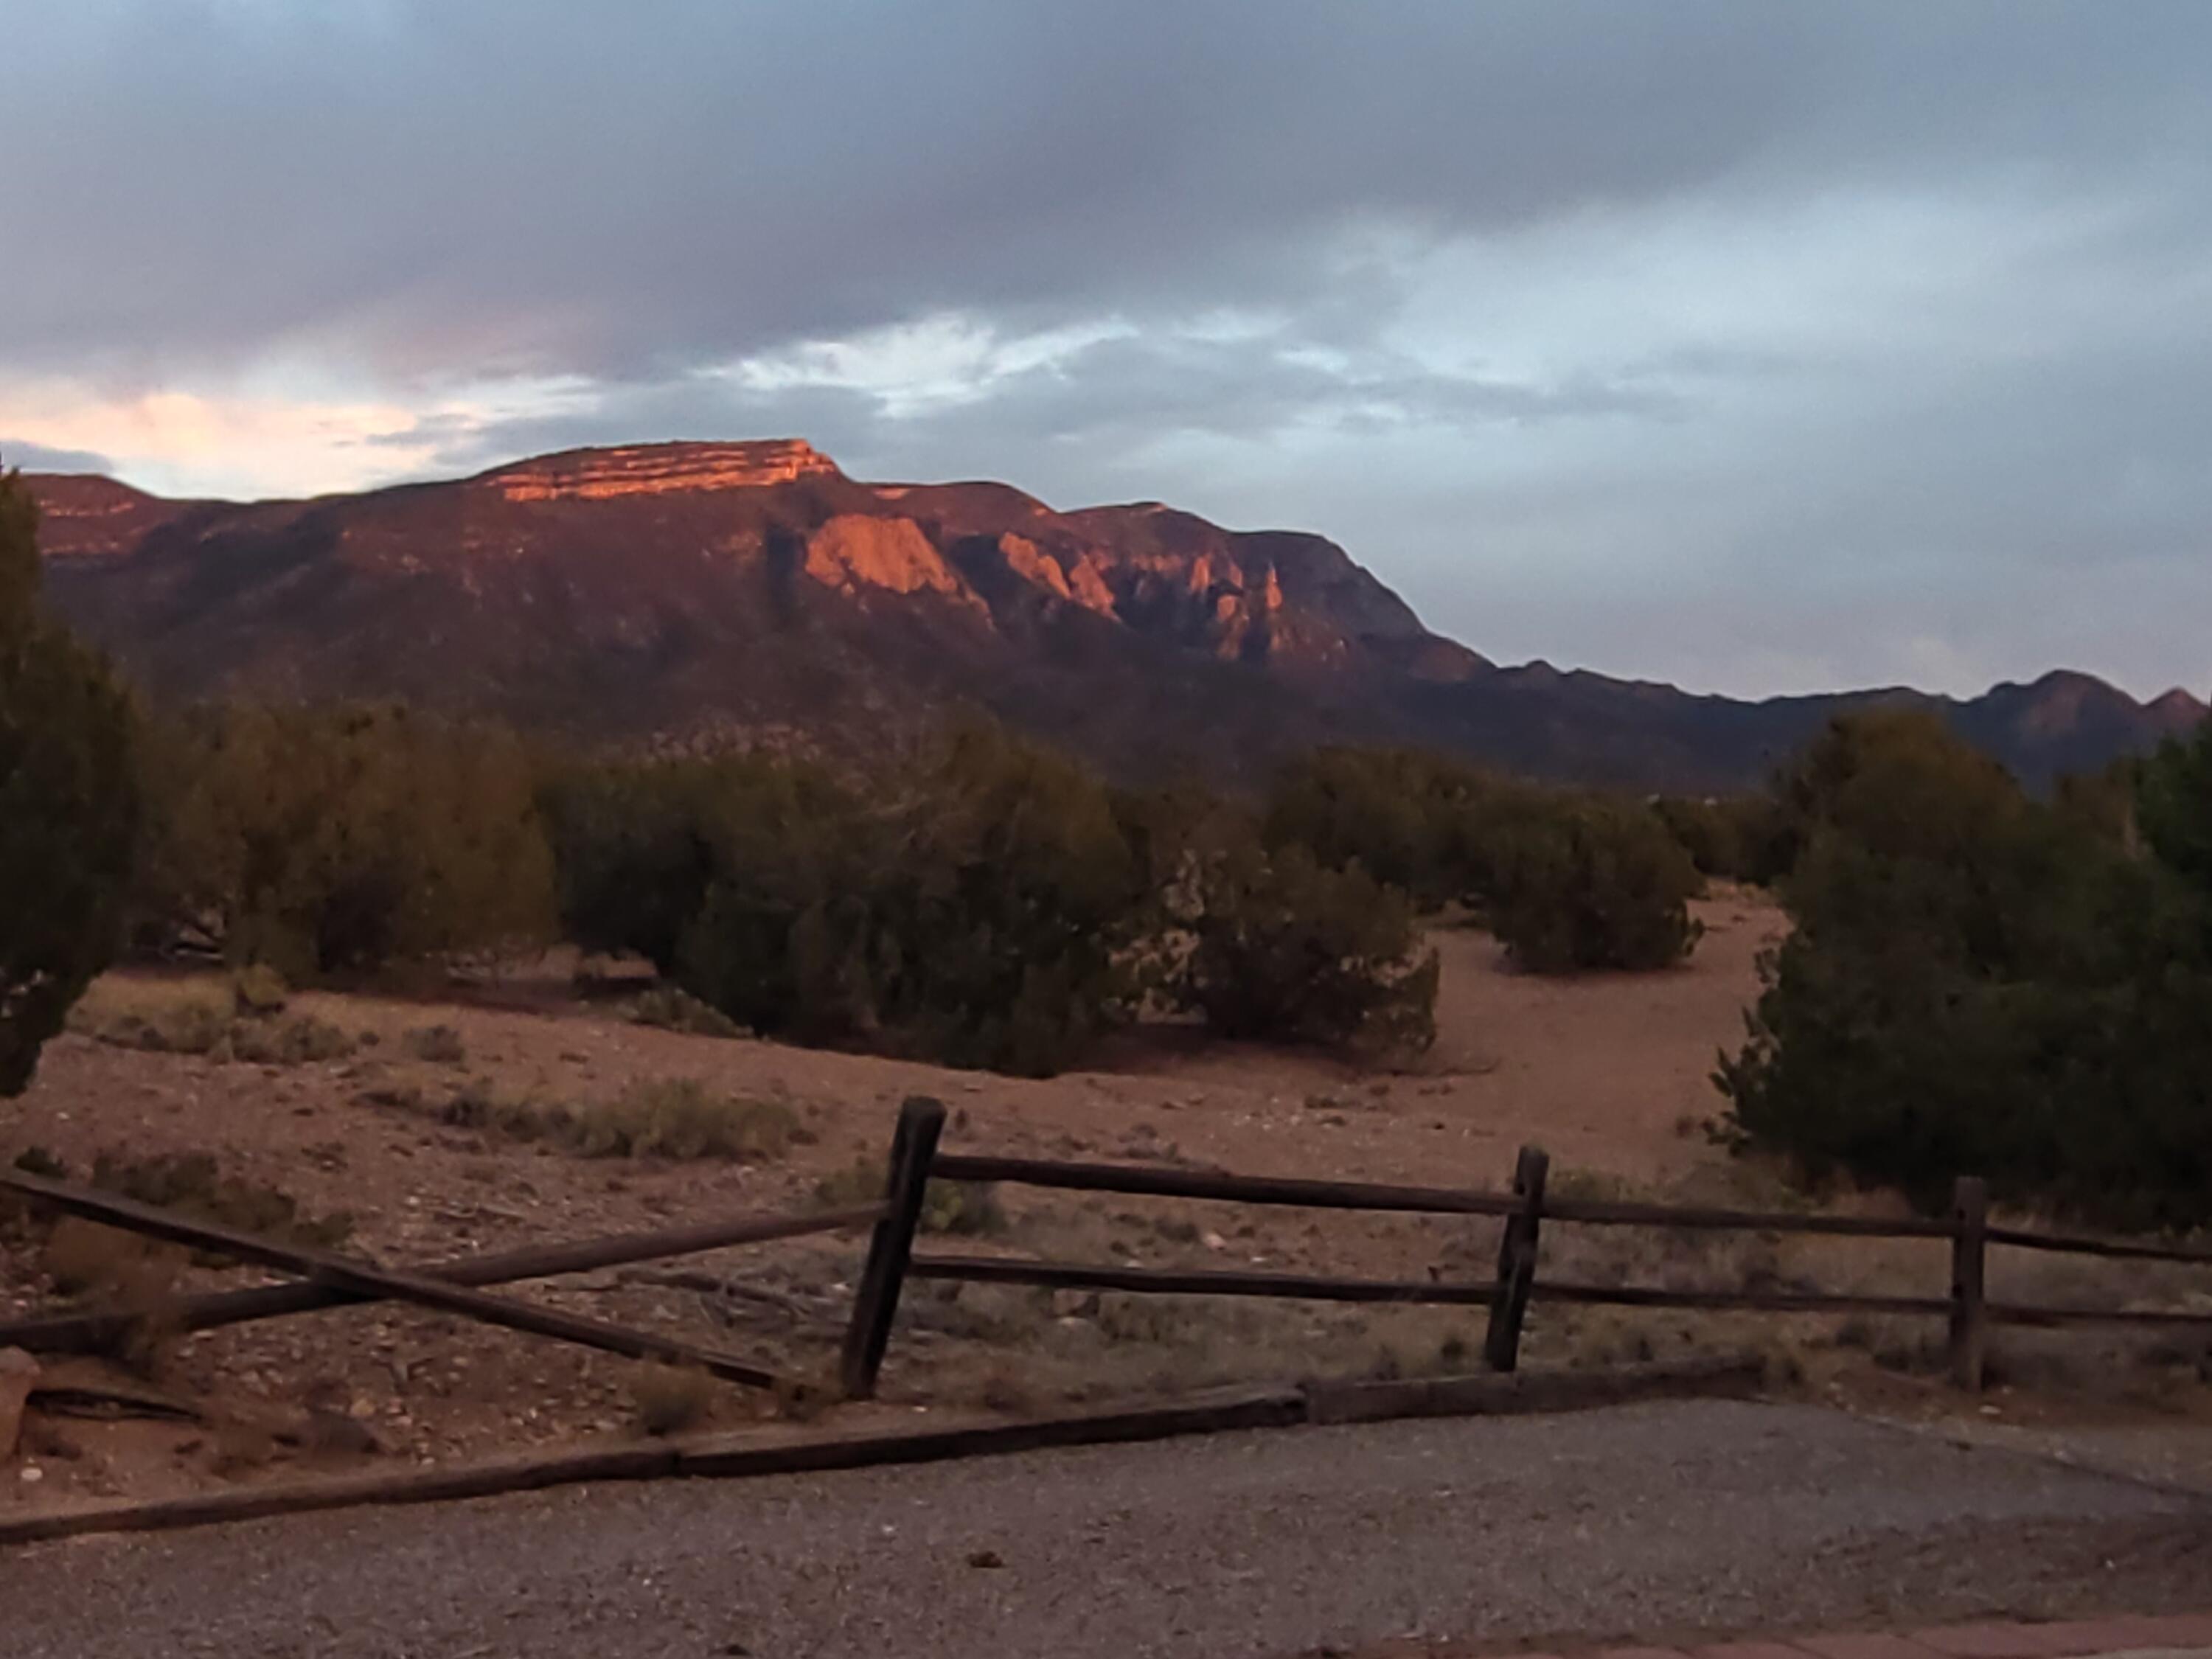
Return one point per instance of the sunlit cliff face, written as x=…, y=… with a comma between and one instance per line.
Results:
x=659, y=469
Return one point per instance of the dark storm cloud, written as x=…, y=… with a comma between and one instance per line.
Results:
x=1744, y=342
x=17, y=454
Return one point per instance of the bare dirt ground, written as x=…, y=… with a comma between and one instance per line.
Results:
x=1609, y=1073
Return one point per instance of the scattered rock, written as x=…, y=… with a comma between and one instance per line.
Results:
x=986, y=1559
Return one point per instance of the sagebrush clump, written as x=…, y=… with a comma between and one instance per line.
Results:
x=677, y=1118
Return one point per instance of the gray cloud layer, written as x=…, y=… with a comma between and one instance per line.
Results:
x=1758, y=346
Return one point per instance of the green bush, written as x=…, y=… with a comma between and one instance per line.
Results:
x=1592, y=884
x=326, y=840
x=1283, y=948
x=1979, y=984
x=1423, y=824
x=1732, y=838
x=976, y=910
x=68, y=805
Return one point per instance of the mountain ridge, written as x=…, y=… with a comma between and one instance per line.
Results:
x=695, y=594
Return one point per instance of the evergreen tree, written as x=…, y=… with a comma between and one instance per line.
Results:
x=69, y=805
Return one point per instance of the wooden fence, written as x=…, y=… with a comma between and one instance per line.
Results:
x=324, y=1279
x=1525, y=1210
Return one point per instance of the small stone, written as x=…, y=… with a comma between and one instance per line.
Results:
x=1214, y=1241
x=31, y=1474
x=986, y=1559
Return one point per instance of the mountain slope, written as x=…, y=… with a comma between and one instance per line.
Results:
x=706, y=593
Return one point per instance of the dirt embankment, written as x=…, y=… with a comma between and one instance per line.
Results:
x=442, y=1129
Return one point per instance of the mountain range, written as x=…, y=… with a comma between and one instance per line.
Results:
x=703, y=594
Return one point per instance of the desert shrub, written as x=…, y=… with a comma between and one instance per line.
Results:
x=1282, y=948
x=973, y=910
x=1414, y=821
x=962, y=1207
x=679, y=1120
x=671, y=1008
x=439, y=1045
x=258, y=989
x=669, y=1399
x=191, y=1018
x=194, y=1184
x=323, y=841
x=295, y=1039
x=859, y=1182
x=1979, y=984
x=69, y=804
x=1729, y=838
x=968, y=1208
x=1588, y=883
x=634, y=845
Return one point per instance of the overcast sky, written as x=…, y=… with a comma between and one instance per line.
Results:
x=1757, y=346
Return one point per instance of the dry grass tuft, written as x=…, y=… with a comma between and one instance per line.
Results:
x=440, y=1045
x=667, y=1400
x=671, y=1008
x=234, y=1018
x=671, y=1119
x=299, y=1040
x=161, y=1017
x=259, y=989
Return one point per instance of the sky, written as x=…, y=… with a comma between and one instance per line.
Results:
x=1758, y=347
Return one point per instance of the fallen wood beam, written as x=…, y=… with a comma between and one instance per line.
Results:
x=353, y=1273
x=1732, y=1376
x=720, y=1458
x=96, y=1330
x=1152, y=1180
x=738, y=1456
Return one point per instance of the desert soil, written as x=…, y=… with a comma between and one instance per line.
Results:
x=1609, y=1073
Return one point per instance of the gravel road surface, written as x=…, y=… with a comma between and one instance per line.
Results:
x=1706, y=1515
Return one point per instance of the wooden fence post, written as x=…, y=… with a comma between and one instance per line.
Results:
x=914, y=1146
x=1969, y=1321
x=1516, y=1262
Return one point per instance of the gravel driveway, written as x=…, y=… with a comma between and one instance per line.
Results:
x=1707, y=1515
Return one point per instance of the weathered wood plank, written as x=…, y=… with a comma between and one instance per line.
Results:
x=1969, y=1321
x=2078, y=1244
x=1484, y=1395
x=1152, y=1181
x=1070, y=1275
x=1517, y=1262
x=355, y=1274
x=1766, y=1301
x=716, y=1457
x=94, y=1330
x=906, y=1187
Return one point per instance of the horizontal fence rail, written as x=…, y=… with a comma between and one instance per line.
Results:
x=1143, y=1180
x=1201, y=1281
x=2076, y=1244
x=1525, y=1210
